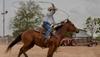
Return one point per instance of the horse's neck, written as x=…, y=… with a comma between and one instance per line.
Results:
x=61, y=32
x=59, y=35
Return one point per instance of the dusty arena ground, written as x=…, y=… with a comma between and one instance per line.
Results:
x=75, y=51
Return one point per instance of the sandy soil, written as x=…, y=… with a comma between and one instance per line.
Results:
x=76, y=51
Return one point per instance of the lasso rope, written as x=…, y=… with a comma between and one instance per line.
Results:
x=57, y=8
x=43, y=2
x=64, y=13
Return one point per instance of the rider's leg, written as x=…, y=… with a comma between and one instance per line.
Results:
x=47, y=29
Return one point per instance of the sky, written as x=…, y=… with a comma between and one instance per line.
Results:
x=78, y=10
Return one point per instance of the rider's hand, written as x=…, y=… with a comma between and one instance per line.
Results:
x=52, y=25
x=54, y=8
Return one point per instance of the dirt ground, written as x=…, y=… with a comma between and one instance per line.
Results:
x=75, y=51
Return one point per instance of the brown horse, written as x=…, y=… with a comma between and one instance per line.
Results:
x=32, y=37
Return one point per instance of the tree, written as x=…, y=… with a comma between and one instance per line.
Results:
x=98, y=37
x=27, y=16
x=92, y=25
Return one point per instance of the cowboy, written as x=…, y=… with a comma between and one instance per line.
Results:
x=48, y=21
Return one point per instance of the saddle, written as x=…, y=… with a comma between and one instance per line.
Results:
x=41, y=30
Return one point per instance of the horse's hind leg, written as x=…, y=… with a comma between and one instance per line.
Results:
x=51, y=50
x=20, y=52
x=25, y=48
x=29, y=47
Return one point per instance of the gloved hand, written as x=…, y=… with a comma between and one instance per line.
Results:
x=52, y=25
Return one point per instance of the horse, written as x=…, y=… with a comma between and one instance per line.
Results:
x=31, y=37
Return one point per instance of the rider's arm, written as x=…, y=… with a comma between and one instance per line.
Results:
x=54, y=8
x=53, y=21
x=53, y=5
x=53, y=12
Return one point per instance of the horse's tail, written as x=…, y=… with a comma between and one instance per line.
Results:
x=18, y=39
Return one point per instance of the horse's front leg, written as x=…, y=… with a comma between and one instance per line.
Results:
x=51, y=51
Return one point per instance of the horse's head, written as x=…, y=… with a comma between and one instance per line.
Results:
x=69, y=26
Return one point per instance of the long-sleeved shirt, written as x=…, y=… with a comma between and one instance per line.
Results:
x=49, y=17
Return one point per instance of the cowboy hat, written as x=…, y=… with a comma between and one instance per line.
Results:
x=52, y=8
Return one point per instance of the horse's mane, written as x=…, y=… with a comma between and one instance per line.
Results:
x=58, y=27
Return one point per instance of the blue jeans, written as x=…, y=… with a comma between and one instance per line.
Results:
x=47, y=28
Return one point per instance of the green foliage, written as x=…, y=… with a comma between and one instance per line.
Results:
x=27, y=16
x=98, y=38
x=93, y=25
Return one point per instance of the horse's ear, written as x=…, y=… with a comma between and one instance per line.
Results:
x=65, y=20
x=68, y=20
